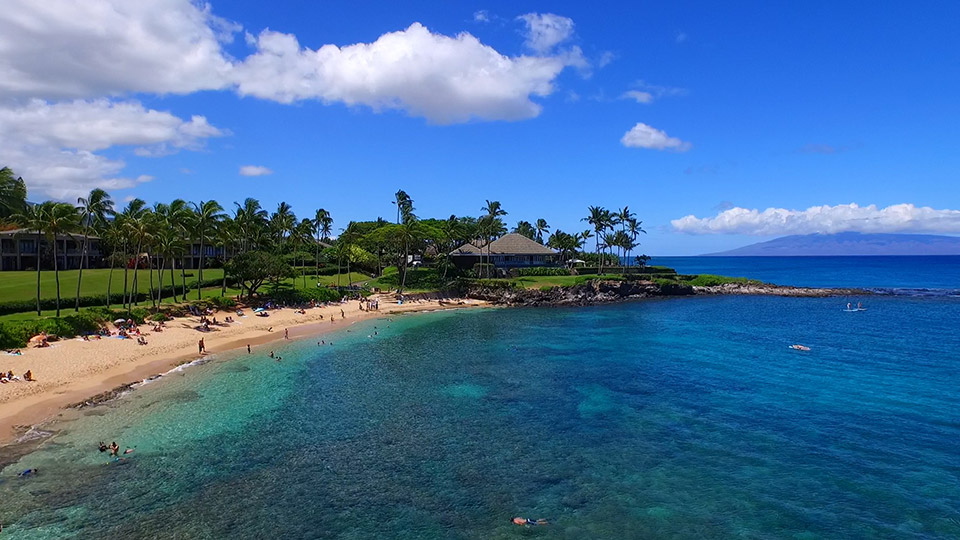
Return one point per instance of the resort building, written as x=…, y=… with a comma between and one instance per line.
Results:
x=19, y=251
x=509, y=251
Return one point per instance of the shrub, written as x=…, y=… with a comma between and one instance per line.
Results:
x=542, y=271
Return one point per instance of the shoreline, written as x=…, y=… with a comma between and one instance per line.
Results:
x=80, y=378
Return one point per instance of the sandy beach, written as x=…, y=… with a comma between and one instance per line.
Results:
x=72, y=371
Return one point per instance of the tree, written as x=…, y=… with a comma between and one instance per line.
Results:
x=601, y=219
x=34, y=218
x=250, y=219
x=526, y=229
x=59, y=219
x=227, y=232
x=322, y=223
x=281, y=223
x=13, y=194
x=94, y=210
x=404, y=204
x=133, y=212
x=541, y=227
x=634, y=230
x=207, y=215
x=492, y=227
x=252, y=268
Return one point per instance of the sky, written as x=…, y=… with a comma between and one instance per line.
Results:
x=718, y=124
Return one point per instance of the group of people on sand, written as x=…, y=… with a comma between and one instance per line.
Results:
x=367, y=304
x=114, y=449
x=9, y=377
x=14, y=352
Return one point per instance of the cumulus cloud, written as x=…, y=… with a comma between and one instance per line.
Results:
x=58, y=49
x=481, y=16
x=68, y=67
x=544, y=31
x=902, y=218
x=644, y=136
x=254, y=170
x=53, y=145
x=443, y=79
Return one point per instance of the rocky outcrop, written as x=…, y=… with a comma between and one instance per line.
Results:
x=591, y=292
x=604, y=291
x=777, y=290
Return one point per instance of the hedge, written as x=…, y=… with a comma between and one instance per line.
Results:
x=542, y=271
x=302, y=296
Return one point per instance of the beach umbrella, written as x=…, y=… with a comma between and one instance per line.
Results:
x=119, y=321
x=258, y=309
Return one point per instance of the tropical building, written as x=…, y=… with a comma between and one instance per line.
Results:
x=19, y=250
x=509, y=251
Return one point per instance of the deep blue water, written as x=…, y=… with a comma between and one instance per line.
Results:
x=930, y=272
x=679, y=418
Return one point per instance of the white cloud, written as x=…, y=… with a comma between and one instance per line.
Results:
x=53, y=145
x=606, y=58
x=644, y=136
x=545, y=31
x=254, y=170
x=56, y=49
x=481, y=16
x=680, y=37
x=639, y=96
x=646, y=93
x=903, y=218
x=443, y=79
x=68, y=67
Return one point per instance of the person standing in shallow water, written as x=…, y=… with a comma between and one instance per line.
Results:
x=248, y=348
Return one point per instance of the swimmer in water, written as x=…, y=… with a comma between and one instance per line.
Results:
x=29, y=472
x=526, y=521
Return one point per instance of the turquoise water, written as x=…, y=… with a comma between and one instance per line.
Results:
x=680, y=418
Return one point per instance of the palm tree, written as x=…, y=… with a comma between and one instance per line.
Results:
x=180, y=217
x=601, y=219
x=493, y=225
x=165, y=240
x=541, y=227
x=59, y=219
x=207, y=215
x=404, y=203
x=634, y=229
x=227, y=232
x=321, y=221
x=282, y=222
x=526, y=229
x=140, y=228
x=13, y=194
x=94, y=210
x=249, y=217
x=134, y=211
x=34, y=218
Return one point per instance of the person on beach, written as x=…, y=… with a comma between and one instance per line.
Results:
x=286, y=333
x=28, y=376
x=248, y=348
x=526, y=521
x=342, y=315
x=201, y=346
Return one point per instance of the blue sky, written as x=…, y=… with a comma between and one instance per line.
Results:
x=799, y=108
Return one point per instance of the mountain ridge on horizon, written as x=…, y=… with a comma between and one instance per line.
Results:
x=848, y=243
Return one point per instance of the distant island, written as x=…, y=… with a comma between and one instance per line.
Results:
x=849, y=243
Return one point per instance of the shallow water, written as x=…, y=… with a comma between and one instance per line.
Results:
x=682, y=418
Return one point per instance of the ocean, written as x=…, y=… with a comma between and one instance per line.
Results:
x=667, y=418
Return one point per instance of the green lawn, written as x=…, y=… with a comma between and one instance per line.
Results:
x=23, y=285
x=535, y=282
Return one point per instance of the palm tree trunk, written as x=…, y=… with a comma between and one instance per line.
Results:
x=599, y=258
x=183, y=280
x=83, y=258
x=150, y=268
x=159, y=301
x=110, y=280
x=135, y=294
x=38, y=271
x=126, y=271
x=173, y=278
x=56, y=272
x=200, y=279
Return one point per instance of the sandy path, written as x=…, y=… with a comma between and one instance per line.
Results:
x=73, y=370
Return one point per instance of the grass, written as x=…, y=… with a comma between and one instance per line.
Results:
x=18, y=285
x=538, y=282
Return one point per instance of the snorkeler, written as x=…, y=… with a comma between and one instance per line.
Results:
x=103, y=446
x=29, y=472
x=526, y=521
